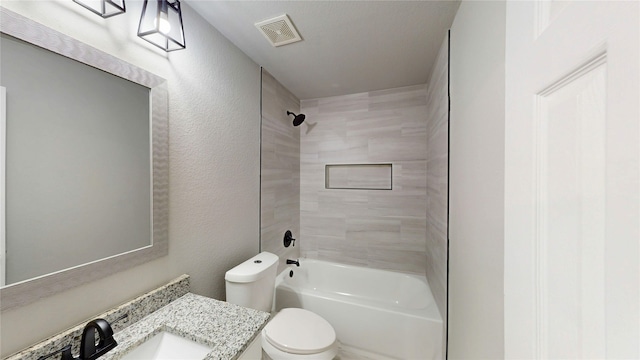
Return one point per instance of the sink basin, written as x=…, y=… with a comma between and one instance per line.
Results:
x=166, y=345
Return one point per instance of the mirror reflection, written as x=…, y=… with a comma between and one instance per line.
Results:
x=78, y=162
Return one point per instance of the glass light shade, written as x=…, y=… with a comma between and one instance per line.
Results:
x=104, y=8
x=161, y=24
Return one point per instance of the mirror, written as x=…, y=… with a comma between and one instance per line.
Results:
x=78, y=173
x=86, y=162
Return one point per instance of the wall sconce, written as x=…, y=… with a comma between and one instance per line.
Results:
x=161, y=24
x=104, y=8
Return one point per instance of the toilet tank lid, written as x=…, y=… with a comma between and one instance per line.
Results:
x=252, y=269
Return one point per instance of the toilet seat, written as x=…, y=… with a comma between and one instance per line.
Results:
x=300, y=332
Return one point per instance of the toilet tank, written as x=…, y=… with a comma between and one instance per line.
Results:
x=251, y=284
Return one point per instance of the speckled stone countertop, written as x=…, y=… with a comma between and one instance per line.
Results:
x=225, y=327
x=119, y=317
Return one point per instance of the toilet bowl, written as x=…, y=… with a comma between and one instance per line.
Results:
x=292, y=334
x=297, y=334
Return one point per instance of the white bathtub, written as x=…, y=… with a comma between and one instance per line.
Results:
x=383, y=312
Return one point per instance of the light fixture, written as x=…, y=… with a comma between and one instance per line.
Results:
x=104, y=8
x=161, y=24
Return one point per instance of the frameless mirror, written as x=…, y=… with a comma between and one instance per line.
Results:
x=85, y=165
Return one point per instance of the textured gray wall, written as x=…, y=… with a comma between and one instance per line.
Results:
x=375, y=228
x=78, y=163
x=214, y=151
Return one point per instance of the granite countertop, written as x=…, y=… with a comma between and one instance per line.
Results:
x=227, y=328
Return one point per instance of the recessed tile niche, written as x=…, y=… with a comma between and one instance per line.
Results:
x=358, y=176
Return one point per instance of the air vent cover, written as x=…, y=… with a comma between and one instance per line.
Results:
x=279, y=30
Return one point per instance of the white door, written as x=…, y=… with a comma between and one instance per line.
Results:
x=572, y=203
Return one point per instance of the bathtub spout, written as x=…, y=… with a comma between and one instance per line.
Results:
x=291, y=262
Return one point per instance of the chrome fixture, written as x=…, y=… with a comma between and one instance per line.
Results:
x=104, y=8
x=161, y=24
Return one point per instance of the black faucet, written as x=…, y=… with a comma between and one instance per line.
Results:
x=88, y=348
x=290, y=262
x=65, y=351
x=288, y=239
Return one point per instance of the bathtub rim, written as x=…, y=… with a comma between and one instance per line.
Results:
x=430, y=312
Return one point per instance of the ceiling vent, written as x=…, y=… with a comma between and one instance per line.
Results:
x=279, y=30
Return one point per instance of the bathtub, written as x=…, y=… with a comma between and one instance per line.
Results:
x=381, y=312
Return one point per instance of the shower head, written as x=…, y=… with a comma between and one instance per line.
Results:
x=297, y=119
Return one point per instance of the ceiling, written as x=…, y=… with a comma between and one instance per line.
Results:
x=348, y=46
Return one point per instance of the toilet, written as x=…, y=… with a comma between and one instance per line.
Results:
x=292, y=334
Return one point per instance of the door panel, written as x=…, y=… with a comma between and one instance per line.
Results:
x=572, y=203
x=570, y=206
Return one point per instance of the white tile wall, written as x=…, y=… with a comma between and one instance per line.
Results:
x=374, y=228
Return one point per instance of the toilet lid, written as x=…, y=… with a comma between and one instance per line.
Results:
x=299, y=331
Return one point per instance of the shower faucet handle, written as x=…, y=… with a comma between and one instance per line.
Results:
x=288, y=239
